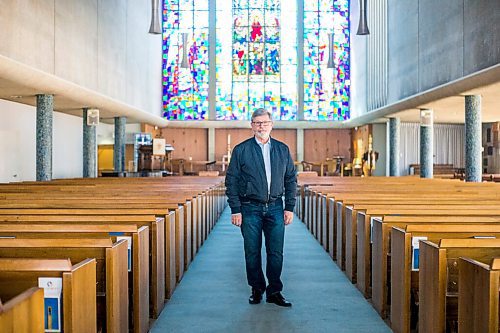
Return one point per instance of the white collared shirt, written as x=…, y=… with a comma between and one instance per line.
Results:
x=266, y=154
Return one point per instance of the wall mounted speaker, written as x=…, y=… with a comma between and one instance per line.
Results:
x=92, y=117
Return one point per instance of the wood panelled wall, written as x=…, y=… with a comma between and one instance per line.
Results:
x=288, y=136
x=187, y=142
x=320, y=144
x=221, y=136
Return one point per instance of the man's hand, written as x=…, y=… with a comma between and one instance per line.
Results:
x=236, y=219
x=288, y=217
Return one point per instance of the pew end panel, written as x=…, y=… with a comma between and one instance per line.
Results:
x=379, y=266
x=325, y=227
x=432, y=283
x=140, y=276
x=332, y=229
x=187, y=234
x=28, y=305
x=400, y=280
x=350, y=242
x=340, y=234
x=363, y=255
x=157, y=291
x=194, y=227
x=170, y=257
x=478, y=296
x=117, y=287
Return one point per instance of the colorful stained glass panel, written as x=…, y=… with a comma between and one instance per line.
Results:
x=185, y=90
x=255, y=64
x=326, y=90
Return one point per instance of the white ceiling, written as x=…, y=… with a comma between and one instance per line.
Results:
x=452, y=109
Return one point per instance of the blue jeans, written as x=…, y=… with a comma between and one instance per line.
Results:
x=267, y=218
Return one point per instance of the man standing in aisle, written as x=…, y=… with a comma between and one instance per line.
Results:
x=261, y=171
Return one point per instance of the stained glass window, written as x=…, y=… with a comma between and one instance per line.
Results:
x=256, y=61
x=326, y=60
x=185, y=59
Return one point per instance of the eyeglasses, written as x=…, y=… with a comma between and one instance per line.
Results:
x=261, y=123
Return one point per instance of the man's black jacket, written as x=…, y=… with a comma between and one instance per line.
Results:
x=246, y=175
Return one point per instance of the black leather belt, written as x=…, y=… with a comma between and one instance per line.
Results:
x=258, y=202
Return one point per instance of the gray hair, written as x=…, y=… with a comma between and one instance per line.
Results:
x=261, y=112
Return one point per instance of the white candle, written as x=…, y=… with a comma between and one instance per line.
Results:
x=229, y=139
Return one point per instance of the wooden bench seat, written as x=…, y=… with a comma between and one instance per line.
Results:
x=78, y=281
x=28, y=305
x=169, y=217
x=196, y=203
x=340, y=212
x=111, y=223
x=111, y=274
x=404, y=277
x=319, y=211
x=355, y=223
x=139, y=280
x=182, y=217
x=373, y=252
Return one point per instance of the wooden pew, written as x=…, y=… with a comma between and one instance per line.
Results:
x=23, y=313
x=139, y=260
x=373, y=241
x=113, y=223
x=115, y=205
x=111, y=275
x=404, y=279
x=357, y=220
x=478, y=309
x=78, y=293
x=170, y=230
x=209, y=206
x=376, y=265
x=438, y=279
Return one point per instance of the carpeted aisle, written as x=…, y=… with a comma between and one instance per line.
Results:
x=213, y=295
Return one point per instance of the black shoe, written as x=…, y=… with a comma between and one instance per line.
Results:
x=278, y=299
x=256, y=296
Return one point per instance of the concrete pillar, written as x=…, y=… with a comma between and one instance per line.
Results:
x=473, y=137
x=89, y=147
x=119, y=148
x=44, y=120
x=394, y=130
x=426, y=144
